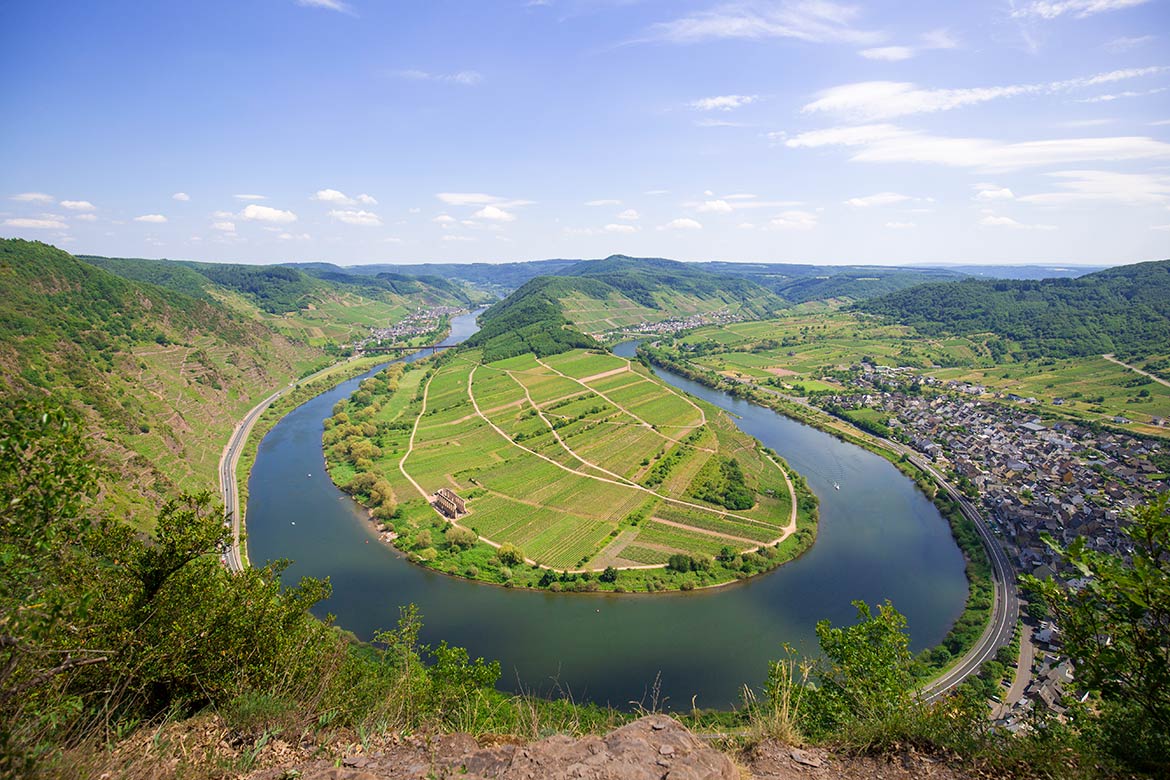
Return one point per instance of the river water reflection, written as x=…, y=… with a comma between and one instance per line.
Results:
x=879, y=538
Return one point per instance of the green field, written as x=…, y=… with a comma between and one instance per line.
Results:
x=573, y=459
x=798, y=355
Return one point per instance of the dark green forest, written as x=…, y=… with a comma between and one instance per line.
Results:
x=1124, y=310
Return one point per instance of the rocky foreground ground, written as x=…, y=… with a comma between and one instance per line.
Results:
x=655, y=747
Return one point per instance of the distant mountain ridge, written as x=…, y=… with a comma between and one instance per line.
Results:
x=1123, y=310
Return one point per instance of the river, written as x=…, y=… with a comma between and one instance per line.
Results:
x=879, y=538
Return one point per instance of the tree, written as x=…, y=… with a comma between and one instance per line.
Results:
x=509, y=554
x=609, y=575
x=1116, y=629
x=867, y=675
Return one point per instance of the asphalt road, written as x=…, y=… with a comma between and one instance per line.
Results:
x=229, y=488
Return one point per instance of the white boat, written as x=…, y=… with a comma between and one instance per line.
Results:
x=836, y=486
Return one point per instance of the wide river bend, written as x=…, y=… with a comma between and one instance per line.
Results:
x=879, y=538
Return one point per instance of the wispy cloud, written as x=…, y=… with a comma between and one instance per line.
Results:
x=356, y=217
x=1051, y=9
x=730, y=203
x=814, y=21
x=480, y=199
x=45, y=223
x=682, y=223
x=1092, y=186
x=616, y=228
x=901, y=225
x=250, y=196
x=870, y=100
x=879, y=199
x=993, y=220
x=181, y=196
x=329, y=5
x=723, y=102
x=467, y=78
x=794, y=220
x=156, y=219
x=889, y=143
x=603, y=202
x=888, y=53
x=495, y=213
x=77, y=205
x=1118, y=45
x=33, y=197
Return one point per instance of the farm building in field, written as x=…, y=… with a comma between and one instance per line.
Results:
x=449, y=503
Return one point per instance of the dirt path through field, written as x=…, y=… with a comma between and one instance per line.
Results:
x=1137, y=370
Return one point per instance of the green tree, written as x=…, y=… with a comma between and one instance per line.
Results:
x=867, y=672
x=1116, y=629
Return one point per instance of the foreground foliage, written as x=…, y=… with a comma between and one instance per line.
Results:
x=102, y=630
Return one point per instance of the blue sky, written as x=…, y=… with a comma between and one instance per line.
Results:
x=494, y=130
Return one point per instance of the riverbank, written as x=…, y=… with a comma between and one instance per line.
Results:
x=368, y=433
x=975, y=620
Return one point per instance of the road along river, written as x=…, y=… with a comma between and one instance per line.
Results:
x=879, y=538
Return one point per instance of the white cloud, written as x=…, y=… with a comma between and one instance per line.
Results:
x=86, y=217
x=450, y=237
x=1008, y=222
x=494, y=213
x=1104, y=186
x=182, y=196
x=889, y=143
x=709, y=121
x=716, y=207
x=479, y=199
x=256, y=213
x=444, y=219
x=330, y=5
x=1118, y=45
x=77, y=205
x=356, y=217
x=631, y=215
x=33, y=197
x=603, y=202
x=888, y=53
x=682, y=223
x=995, y=193
x=341, y=199
x=939, y=39
x=794, y=220
x=656, y=192
x=1051, y=9
x=880, y=199
x=614, y=228
x=224, y=227
x=294, y=237
x=1129, y=93
x=247, y=196
x=36, y=224
x=870, y=100
x=466, y=78
x=156, y=219
x=900, y=225
x=815, y=21
x=723, y=102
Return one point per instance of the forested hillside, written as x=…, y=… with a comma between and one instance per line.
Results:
x=161, y=376
x=316, y=303
x=552, y=314
x=1124, y=310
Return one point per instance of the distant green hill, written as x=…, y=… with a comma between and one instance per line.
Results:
x=552, y=314
x=1124, y=310
x=160, y=375
x=317, y=303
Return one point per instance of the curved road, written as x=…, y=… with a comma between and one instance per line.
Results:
x=1005, y=611
x=229, y=487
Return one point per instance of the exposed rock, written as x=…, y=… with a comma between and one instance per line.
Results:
x=655, y=747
